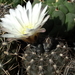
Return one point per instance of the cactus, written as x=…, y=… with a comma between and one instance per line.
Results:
x=62, y=13
x=49, y=57
x=40, y=60
x=8, y=56
x=8, y=50
x=69, y=70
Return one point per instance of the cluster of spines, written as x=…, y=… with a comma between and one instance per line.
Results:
x=8, y=56
x=46, y=63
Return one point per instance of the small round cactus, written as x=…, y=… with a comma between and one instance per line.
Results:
x=62, y=16
x=40, y=60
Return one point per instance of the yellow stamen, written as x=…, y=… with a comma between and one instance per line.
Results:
x=23, y=30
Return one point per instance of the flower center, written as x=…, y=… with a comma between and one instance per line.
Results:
x=25, y=29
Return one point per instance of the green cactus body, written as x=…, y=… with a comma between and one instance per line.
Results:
x=51, y=9
x=63, y=21
x=50, y=1
x=70, y=6
x=58, y=20
x=63, y=8
x=70, y=21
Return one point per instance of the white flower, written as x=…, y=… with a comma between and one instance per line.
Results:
x=24, y=22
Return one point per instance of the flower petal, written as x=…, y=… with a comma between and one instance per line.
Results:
x=36, y=13
x=42, y=30
x=9, y=36
x=12, y=22
x=44, y=10
x=29, y=10
x=45, y=19
x=24, y=22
